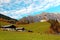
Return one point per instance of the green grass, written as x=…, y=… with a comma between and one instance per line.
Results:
x=37, y=28
x=27, y=36
x=3, y=23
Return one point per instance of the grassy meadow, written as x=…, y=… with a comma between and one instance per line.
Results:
x=38, y=33
x=27, y=36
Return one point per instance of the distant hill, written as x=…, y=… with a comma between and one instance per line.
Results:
x=7, y=19
x=39, y=17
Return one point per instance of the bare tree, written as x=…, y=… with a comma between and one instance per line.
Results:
x=55, y=26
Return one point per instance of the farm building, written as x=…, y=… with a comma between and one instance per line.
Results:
x=8, y=27
x=20, y=29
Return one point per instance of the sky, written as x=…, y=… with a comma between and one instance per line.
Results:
x=18, y=9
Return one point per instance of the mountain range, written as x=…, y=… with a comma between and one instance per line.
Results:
x=32, y=19
x=39, y=17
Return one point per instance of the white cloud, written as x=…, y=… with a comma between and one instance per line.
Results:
x=43, y=5
x=4, y=1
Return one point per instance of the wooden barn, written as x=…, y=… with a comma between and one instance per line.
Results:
x=8, y=28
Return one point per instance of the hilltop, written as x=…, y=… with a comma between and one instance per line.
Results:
x=7, y=19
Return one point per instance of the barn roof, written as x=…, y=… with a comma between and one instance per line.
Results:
x=7, y=25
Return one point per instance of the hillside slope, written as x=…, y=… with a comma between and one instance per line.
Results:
x=6, y=17
x=37, y=27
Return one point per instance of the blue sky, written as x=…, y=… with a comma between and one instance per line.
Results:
x=21, y=8
x=54, y=9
